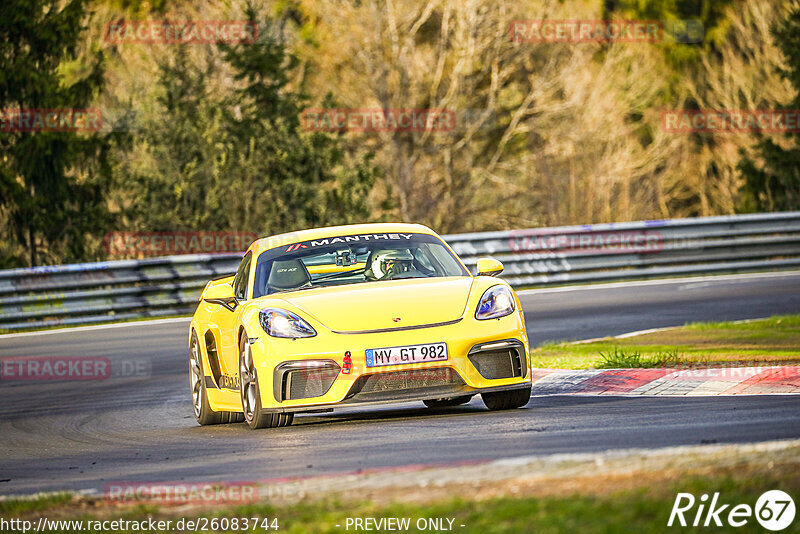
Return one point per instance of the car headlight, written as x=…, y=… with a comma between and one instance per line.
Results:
x=497, y=301
x=282, y=323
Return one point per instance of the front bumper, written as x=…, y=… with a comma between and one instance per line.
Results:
x=465, y=372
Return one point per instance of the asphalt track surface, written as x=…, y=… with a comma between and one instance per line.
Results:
x=84, y=435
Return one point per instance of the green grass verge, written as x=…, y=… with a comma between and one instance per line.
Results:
x=772, y=341
x=643, y=509
x=16, y=507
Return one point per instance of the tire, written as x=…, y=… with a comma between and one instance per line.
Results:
x=197, y=386
x=447, y=403
x=251, y=394
x=507, y=400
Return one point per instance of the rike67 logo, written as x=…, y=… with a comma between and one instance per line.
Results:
x=774, y=510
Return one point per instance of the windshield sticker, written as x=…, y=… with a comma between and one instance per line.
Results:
x=348, y=239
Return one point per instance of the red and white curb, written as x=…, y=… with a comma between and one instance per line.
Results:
x=677, y=382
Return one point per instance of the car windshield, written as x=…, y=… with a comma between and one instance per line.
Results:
x=353, y=259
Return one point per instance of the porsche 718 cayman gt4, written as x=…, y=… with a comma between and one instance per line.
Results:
x=349, y=315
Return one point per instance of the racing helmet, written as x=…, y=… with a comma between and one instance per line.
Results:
x=384, y=264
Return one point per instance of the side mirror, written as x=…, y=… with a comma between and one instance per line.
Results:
x=221, y=294
x=489, y=267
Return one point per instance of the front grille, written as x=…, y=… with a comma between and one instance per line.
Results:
x=307, y=384
x=499, y=363
x=411, y=379
x=299, y=380
x=401, y=384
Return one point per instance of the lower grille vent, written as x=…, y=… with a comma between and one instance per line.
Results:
x=507, y=362
x=439, y=382
x=299, y=380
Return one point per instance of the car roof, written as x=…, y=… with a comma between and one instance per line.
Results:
x=266, y=243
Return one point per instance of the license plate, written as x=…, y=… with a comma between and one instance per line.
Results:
x=427, y=352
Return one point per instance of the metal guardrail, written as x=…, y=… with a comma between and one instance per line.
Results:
x=114, y=290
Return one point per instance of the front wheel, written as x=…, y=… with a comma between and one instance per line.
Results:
x=251, y=393
x=507, y=400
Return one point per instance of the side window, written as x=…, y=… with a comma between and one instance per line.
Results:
x=241, y=278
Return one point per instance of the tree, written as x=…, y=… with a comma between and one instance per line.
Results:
x=52, y=183
x=543, y=131
x=225, y=149
x=773, y=183
x=279, y=176
x=166, y=174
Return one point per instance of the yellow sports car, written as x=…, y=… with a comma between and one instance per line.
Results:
x=349, y=315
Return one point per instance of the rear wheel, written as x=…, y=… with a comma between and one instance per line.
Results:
x=507, y=400
x=197, y=383
x=251, y=393
x=446, y=403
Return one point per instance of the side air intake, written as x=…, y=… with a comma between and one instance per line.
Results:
x=304, y=379
x=499, y=359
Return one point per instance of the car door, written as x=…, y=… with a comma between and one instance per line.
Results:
x=228, y=322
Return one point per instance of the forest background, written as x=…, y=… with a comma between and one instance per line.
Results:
x=211, y=137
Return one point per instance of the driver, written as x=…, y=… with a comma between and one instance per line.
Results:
x=386, y=264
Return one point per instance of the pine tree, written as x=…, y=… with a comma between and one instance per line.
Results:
x=234, y=156
x=282, y=177
x=52, y=184
x=773, y=183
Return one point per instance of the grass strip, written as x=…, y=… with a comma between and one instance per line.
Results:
x=644, y=508
x=772, y=341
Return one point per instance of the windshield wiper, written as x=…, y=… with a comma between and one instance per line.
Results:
x=334, y=275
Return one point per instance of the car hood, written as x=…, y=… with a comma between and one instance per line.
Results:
x=385, y=305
